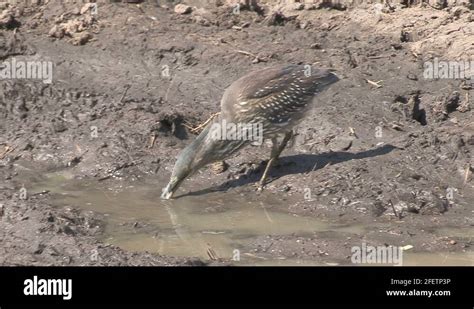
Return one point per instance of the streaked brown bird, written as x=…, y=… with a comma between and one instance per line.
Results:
x=265, y=104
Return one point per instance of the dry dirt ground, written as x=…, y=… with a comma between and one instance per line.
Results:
x=384, y=144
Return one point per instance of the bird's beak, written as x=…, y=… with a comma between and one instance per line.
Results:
x=170, y=189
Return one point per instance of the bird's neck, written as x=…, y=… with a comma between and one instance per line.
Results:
x=207, y=149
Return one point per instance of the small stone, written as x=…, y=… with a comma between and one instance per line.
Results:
x=7, y=20
x=82, y=38
x=39, y=249
x=304, y=25
x=33, y=24
x=56, y=32
x=276, y=18
x=299, y=6
x=397, y=46
x=219, y=167
x=87, y=7
x=437, y=4
x=182, y=9
x=452, y=242
x=458, y=11
x=325, y=26
x=244, y=4
x=469, y=139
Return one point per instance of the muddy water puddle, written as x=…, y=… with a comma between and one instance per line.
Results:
x=216, y=224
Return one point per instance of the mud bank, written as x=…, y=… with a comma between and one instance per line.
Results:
x=385, y=148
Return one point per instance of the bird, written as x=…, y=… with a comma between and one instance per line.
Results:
x=265, y=104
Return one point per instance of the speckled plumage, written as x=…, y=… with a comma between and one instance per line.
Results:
x=278, y=97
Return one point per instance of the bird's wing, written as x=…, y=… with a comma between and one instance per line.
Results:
x=283, y=89
x=266, y=82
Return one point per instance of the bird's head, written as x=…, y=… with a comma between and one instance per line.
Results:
x=183, y=168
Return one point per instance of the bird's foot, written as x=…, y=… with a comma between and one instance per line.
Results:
x=259, y=186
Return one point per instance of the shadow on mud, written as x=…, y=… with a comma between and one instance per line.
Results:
x=297, y=164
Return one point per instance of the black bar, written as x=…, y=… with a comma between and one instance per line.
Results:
x=241, y=285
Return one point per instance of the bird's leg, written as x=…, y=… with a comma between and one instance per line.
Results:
x=276, y=151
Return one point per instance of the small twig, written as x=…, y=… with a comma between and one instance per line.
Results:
x=311, y=144
x=40, y=193
x=255, y=256
x=152, y=141
x=7, y=150
x=394, y=210
x=104, y=178
x=246, y=53
x=211, y=253
x=464, y=106
x=376, y=84
x=124, y=93
x=194, y=130
x=256, y=57
x=466, y=174
x=396, y=126
x=190, y=128
x=453, y=30
x=353, y=133
x=379, y=57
